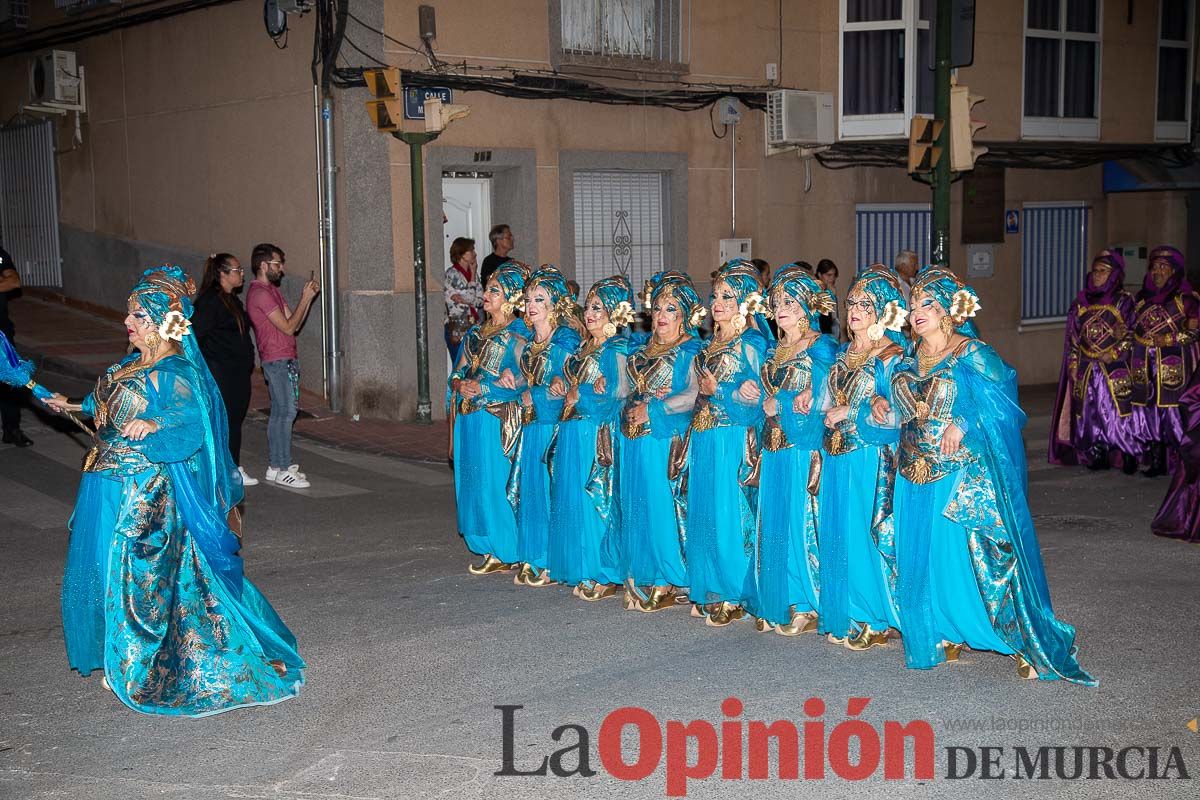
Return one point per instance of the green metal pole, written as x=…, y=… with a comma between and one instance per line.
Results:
x=939, y=234
x=415, y=142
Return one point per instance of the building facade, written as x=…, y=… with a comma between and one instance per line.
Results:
x=200, y=136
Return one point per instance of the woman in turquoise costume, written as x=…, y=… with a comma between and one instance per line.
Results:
x=723, y=449
x=970, y=569
x=153, y=593
x=856, y=545
x=651, y=469
x=794, y=377
x=553, y=317
x=485, y=421
x=582, y=456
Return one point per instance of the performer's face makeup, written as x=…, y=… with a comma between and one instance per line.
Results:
x=788, y=311
x=1100, y=273
x=724, y=302
x=860, y=312
x=137, y=324
x=493, y=298
x=926, y=314
x=537, y=306
x=594, y=315
x=1160, y=273
x=667, y=316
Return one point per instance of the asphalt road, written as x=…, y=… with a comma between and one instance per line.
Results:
x=409, y=655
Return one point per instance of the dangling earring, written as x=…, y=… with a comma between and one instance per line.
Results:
x=609, y=329
x=153, y=342
x=738, y=323
x=874, y=331
x=947, y=325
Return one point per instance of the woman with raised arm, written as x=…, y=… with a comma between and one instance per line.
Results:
x=484, y=408
x=153, y=593
x=794, y=377
x=971, y=572
x=583, y=455
x=856, y=546
x=723, y=447
x=652, y=469
x=553, y=317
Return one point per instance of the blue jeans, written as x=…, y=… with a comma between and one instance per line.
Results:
x=283, y=382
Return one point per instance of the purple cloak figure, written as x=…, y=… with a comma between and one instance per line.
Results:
x=1166, y=352
x=1179, y=516
x=1092, y=422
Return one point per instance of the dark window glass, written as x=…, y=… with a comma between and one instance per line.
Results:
x=1079, y=87
x=873, y=10
x=1172, y=84
x=1041, y=77
x=1043, y=15
x=873, y=72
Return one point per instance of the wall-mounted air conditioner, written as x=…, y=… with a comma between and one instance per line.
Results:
x=1135, y=263
x=55, y=80
x=798, y=119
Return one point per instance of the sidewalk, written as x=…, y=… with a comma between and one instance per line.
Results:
x=83, y=342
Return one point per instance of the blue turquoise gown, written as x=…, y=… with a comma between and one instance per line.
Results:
x=970, y=567
x=786, y=565
x=856, y=540
x=652, y=526
x=583, y=461
x=722, y=486
x=485, y=432
x=153, y=591
x=529, y=482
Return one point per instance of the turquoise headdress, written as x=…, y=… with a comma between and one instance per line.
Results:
x=810, y=292
x=678, y=286
x=616, y=295
x=881, y=284
x=511, y=275
x=746, y=281
x=564, y=308
x=957, y=299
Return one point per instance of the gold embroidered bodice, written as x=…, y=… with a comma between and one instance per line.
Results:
x=649, y=371
x=925, y=404
x=582, y=368
x=119, y=397
x=850, y=386
x=793, y=373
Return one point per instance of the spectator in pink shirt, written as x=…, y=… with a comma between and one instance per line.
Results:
x=275, y=327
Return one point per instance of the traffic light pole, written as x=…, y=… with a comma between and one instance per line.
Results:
x=415, y=142
x=939, y=234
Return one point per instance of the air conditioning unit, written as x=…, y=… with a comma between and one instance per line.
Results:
x=54, y=79
x=797, y=118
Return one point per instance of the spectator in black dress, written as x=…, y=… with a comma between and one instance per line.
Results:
x=10, y=398
x=222, y=330
x=827, y=274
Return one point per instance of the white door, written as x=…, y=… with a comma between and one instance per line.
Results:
x=467, y=205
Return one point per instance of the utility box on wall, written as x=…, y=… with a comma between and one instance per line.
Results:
x=734, y=248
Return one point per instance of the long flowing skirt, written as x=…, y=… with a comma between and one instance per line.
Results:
x=580, y=519
x=1099, y=422
x=720, y=517
x=652, y=548
x=1179, y=515
x=481, y=470
x=533, y=493
x=171, y=635
x=854, y=581
x=938, y=592
x=787, y=564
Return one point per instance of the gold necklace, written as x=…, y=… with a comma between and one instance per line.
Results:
x=857, y=358
x=656, y=349
x=489, y=328
x=926, y=362
x=536, y=347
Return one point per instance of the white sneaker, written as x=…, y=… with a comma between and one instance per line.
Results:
x=293, y=480
x=273, y=473
x=246, y=479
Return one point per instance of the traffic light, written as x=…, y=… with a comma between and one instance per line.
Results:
x=387, y=109
x=963, y=150
x=923, y=152
x=438, y=115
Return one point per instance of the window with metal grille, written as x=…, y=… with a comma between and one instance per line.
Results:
x=599, y=32
x=882, y=231
x=1062, y=69
x=1054, y=259
x=1175, y=25
x=621, y=225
